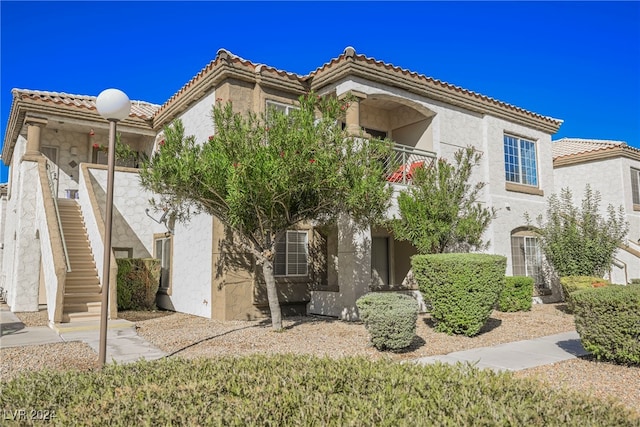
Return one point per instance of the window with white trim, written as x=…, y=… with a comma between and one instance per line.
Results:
x=520, y=163
x=292, y=254
x=278, y=106
x=635, y=186
x=526, y=258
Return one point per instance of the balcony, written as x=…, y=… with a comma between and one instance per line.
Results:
x=401, y=165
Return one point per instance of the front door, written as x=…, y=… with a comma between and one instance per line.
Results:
x=380, y=262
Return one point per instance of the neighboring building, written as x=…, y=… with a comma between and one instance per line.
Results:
x=613, y=169
x=201, y=275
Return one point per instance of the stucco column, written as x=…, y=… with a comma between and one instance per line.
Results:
x=354, y=265
x=24, y=282
x=34, y=128
x=353, y=112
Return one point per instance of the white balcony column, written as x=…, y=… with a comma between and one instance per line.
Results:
x=34, y=129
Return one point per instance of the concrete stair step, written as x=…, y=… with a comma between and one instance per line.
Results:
x=77, y=263
x=82, y=289
x=84, y=274
x=81, y=261
x=82, y=281
x=81, y=299
x=80, y=317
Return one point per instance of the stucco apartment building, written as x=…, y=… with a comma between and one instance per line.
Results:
x=52, y=213
x=611, y=168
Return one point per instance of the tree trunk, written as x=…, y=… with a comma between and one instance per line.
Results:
x=272, y=295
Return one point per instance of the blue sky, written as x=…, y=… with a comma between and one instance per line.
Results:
x=576, y=61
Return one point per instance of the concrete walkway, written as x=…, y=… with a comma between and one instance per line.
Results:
x=123, y=343
x=518, y=355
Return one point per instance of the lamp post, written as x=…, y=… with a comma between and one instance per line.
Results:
x=113, y=105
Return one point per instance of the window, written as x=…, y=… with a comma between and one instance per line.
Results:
x=50, y=152
x=284, y=108
x=526, y=258
x=520, y=161
x=292, y=253
x=162, y=246
x=635, y=187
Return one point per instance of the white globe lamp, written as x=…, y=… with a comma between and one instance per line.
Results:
x=113, y=104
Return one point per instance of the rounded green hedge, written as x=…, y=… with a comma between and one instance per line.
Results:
x=571, y=284
x=290, y=390
x=462, y=288
x=390, y=319
x=517, y=294
x=608, y=322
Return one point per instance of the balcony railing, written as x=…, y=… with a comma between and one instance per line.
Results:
x=404, y=161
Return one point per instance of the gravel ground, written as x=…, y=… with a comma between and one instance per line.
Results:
x=188, y=336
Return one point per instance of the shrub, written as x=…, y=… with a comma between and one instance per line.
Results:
x=517, y=294
x=608, y=321
x=138, y=282
x=462, y=288
x=289, y=390
x=635, y=281
x=390, y=319
x=571, y=284
x=579, y=240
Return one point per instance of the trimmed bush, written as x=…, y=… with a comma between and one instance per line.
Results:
x=390, y=319
x=517, y=294
x=289, y=390
x=138, y=282
x=608, y=321
x=462, y=288
x=571, y=284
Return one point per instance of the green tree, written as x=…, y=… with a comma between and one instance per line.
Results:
x=580, y=241
x=261, y=175
x=441, y=212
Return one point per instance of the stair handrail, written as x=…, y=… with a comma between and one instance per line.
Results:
x=54, y=177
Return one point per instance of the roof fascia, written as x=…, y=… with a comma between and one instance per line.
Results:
x=21, y=108
x=222, y=71
x=430, y=90
x=594, y=156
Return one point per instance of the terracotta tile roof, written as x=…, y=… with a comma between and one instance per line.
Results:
x=571, y=146
x=221, y=56
x=141, y=109
x=348, y=55
x=349, y=52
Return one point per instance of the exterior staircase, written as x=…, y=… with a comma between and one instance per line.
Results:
x=82, y=296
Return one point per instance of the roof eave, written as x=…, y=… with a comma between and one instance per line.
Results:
x=441, y=92
x=222, y=70
x=596, y=155
x=21, y=107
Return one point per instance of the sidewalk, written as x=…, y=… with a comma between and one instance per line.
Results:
x=518, y=355
x=123, y=343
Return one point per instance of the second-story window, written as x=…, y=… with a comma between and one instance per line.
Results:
x=635, y=187
x=284, y=108
x=520, y=163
